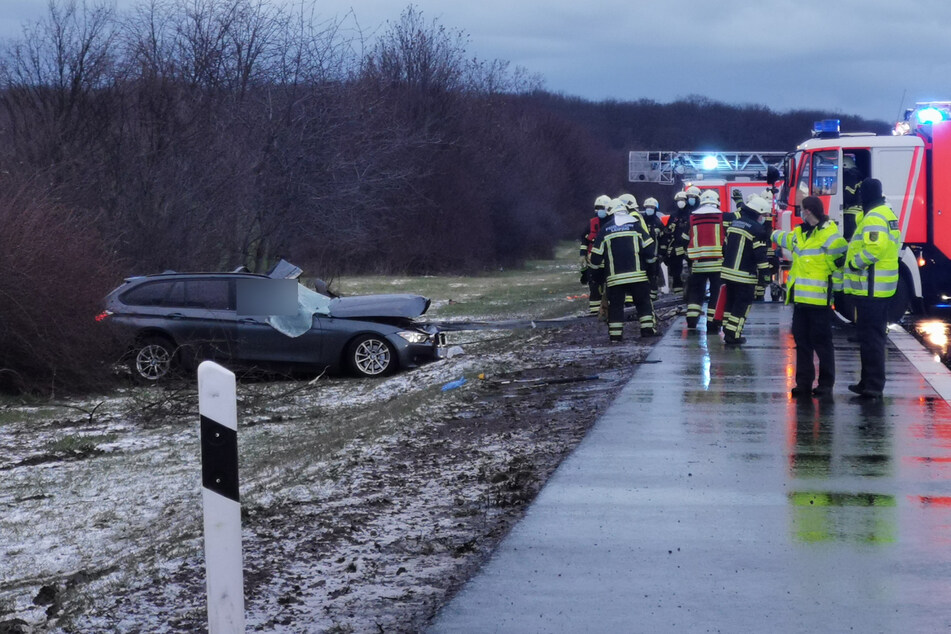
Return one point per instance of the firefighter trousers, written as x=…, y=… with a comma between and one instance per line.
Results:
x=812, y=332
x=675, y=269
x=641, y=294
x=696, y=289
x=739, y=299
x=594, y=295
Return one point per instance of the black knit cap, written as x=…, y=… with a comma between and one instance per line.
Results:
x=814, y=205
x=871, y=191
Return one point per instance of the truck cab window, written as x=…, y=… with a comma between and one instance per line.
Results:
x=825, y=179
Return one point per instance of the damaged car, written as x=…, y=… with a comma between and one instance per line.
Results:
x=171, y=321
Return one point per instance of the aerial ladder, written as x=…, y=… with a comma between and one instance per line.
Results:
x=674, y=167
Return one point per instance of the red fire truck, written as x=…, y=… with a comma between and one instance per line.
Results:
x=914, y=166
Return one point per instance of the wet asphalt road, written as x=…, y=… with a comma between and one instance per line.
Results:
x=708, y=500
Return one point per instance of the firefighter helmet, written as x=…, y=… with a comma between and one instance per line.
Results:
x=848, y=162
x=629, y=201
x=710, y=197
x=757, y=204
x=617, y=206
x=651, y=202
x=693, y=190
x=602, y=202
x=680, y=199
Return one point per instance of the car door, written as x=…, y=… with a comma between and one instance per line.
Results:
x=258, y=340
x=208, y=319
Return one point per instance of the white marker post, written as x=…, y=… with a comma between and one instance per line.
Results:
x=218, y=410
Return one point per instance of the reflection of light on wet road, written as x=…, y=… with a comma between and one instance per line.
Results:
x=705, y=363
x=935, y=333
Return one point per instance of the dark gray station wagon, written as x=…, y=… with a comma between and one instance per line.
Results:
x=175, y=320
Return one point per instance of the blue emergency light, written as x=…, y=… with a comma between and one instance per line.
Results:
x=826, y=126
x=931, y=115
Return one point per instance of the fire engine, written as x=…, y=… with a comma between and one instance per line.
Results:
x=914, y=166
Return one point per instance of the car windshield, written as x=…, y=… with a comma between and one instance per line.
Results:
x=309, y=303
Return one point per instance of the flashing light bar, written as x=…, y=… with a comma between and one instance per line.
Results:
x=826, y=126
x=931, y=115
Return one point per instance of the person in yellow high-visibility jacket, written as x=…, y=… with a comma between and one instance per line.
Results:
x=818, y=256
x=871, y=278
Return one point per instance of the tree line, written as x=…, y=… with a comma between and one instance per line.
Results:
x=208, y=134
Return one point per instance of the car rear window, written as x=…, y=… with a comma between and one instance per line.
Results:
x=210, y=294
x=167, y=293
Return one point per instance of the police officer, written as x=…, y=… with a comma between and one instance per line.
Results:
x=704, y=238
x=618, y=257
x=587, y=241
x=871, y=277
x=744, y=264
x=818, y=255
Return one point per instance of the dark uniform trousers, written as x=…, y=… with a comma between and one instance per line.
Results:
x=594, y=295
x=696, y=288
x=640, y=292
x=871, y=327
x=739, y=299
x=675, y=271
x=812, y=332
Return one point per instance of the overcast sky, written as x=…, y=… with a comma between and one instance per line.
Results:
x=865, y=57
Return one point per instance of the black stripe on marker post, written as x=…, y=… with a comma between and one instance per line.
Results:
x=219, y=458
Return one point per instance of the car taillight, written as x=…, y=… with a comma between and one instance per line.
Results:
x=101, y=316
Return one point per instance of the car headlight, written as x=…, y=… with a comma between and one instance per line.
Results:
x=413, y=337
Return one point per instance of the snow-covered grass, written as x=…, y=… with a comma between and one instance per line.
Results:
x=100, y=504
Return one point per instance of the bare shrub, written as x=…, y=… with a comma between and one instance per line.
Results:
x=54, y=272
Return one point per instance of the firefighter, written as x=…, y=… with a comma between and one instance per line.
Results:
x=618, y=258
x=674, y=248
x=759, y=292
x=587, y=241
x=655, y=227
x=693, y=198
x=818, y=256
x=705, y=254
x=852, y=197
x=744, y=265
x=871, y=277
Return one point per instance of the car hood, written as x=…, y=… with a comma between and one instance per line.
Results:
x=379, y=306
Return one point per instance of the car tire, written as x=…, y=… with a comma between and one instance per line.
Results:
x=370, y=356
x=152, y=360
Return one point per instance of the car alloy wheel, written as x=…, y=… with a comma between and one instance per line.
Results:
x=153, y=360
x=372, y=357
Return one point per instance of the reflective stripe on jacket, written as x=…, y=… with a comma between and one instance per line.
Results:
x=744, y=252
x=818, y=256
x=621, y=253
x=872, y=259
x=705, y=239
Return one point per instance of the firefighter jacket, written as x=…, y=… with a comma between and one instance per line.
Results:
x=818, y=256
x=622, y=251
x=745, y=255
x=589, y=236
x=705, y=239
x=655, y=226
x=852, y=199
x=674, y=244
x=872, y=259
